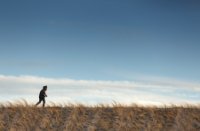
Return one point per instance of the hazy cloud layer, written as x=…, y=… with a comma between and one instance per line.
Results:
x=93, y=92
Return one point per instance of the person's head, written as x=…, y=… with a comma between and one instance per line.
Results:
x=45, y=87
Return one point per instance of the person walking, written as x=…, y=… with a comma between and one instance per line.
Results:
x=42, y=96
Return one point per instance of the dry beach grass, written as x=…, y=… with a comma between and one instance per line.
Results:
x=24, y=117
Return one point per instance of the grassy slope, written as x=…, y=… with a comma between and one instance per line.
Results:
x=99, y=118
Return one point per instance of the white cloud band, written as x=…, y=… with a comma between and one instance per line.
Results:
x=95, y=92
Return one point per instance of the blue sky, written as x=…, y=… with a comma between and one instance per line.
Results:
x=110, y=40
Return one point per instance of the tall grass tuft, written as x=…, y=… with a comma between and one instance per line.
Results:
x=21, y=116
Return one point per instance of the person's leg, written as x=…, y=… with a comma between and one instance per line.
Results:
x=39, y=102
x=44, y=102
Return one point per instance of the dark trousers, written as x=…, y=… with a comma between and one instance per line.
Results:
x=40, y=100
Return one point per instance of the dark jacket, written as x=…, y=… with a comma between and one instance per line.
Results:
x=42, y=94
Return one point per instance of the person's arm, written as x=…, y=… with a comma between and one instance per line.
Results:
x=45, y=94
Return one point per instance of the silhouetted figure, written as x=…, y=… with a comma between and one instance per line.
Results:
x=42, y=96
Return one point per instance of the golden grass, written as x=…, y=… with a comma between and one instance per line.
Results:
x=24, y=117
